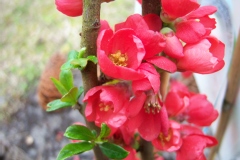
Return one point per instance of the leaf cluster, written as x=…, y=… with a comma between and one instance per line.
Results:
x=88, y=140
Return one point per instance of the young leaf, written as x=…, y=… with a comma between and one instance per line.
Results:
x=93, y=59
x=113, y=151
x=72, y=55
x=80, y=63
x=79, y=132
x=67, y=66
x=105, y=131
x=59, y=86
x=74, y=148
x=71, y=97
x=57, y=104
x=66, y=78
x=82, y=52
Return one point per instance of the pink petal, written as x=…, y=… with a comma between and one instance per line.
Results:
x=197, y=58
x=217, y=47
x=154, y=42
x=135, y=22
x=151, y=75
x=104, y=25
x=164, y=121
x=153, y=21
x=136, y=104
x=173, y=47
x=201, y=12
x=150, y=127
x=163, y=63
x=179, y=8
x=201, y=112
x=70, y=8
x=190, y=31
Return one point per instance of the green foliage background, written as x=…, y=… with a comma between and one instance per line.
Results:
x=31, y=31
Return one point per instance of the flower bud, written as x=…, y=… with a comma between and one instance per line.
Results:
x=72, y=8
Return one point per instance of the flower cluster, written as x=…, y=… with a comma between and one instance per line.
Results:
x=132, y=57
x=135, y=52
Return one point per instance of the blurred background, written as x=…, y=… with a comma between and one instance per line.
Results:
x=32, y=31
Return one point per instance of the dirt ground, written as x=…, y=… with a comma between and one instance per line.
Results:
x=33, y=134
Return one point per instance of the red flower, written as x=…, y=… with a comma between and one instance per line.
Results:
x=194, y=108
x=105, y=105
x=177, y=8
x=177, y=99
x=191, y=22
x=196, y=25
x=200, y=111
x=172, y=141
x=193, y=146
x=204, y=57
x=120, y=54
x=147, y=30
x=148, y=116
x=70, y=8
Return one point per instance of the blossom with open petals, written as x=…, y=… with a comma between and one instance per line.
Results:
x=190, y=20
x=193, y=146
x=203, y=57
x=120, y=54
x=148, y=115
x=104, y=105
x=172, y=141
x=147, y=29
x=193, y=108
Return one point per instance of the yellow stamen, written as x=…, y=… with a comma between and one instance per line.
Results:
x=118, y=58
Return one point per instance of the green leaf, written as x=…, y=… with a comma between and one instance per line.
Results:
x=105, y=131
x=81, y=63
x=94, y=133
x=72, y=55
x=93, y=59
x=59, y=86
x=57, y=104
x=66, y=78
x=79, y=132
x=71, y=96
x=113, y=151
x=74, y=148
x=82, y=52
x=80, y=91
x=67, y=66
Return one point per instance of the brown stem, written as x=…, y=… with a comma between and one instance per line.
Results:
x=90, y=27
x=165, y=77
x=146, y=150
x=149, y=6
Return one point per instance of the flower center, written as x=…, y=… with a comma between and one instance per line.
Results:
x=167, y=138
x=152, y=105
x=105, y=107
x=118, y=58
